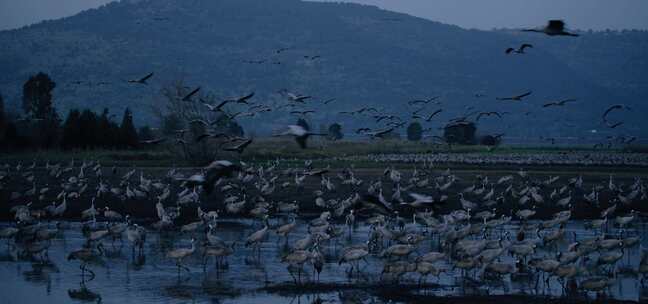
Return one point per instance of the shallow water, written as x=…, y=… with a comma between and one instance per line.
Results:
x=123, y=278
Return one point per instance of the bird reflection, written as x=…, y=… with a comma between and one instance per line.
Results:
x=84, y=294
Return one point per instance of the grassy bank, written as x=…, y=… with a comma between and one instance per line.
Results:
x=283, y=148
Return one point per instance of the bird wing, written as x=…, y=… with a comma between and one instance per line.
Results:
x=610, y=109
x=246, y=97
x=567, y=100
x=146, y=77
x=524, y=95
x=612, y=126
x=188, y=97
x=524, y=46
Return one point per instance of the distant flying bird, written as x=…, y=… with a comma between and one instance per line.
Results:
x=612, y=108
x=216, y=108
x=433, y=114
x=515, y=98
x=188, y=96
x=242, y=114
x=302, y=112
x=423, y=101
x=520, y=50
x=297, y=98
x=301, y=135
x=558, y=103
x=240, y=147
x=243, y=99
x=362, y=130
x=283, y=50
x=553, y=28
x=360, y=111
x=613, y=125
x=142, y=80
x=380, y=133
x=488, y=114
x=388, y=117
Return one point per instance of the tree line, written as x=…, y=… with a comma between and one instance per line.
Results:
x=41, y=128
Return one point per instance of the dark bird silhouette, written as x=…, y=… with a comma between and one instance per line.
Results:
x=488, y=114
x=191, y=94
x=423, y=101
x=612, y=108
x=380, y=133
x=520, y=50
x=372, y=204
x=362, y=130
x=217, y=108
x=379, y=118
x=433, y=114
x=240, y=147
x=302, y=112
x=613, y=125
x=241, y=114
x=553, y=28
x=142, y=80
x=515, y=98
x=298, y=98
x=281, y=50
x=243, y=99
x=558, y=103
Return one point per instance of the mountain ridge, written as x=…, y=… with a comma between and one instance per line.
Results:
x=369, y=56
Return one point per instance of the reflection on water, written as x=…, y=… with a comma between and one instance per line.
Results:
x=126, y=276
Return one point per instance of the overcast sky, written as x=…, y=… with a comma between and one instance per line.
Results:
x=481, y=14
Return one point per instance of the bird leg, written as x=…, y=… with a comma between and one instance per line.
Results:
x=205, y=263
x=185, y=268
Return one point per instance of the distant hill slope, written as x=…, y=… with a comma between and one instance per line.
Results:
x=368, y=57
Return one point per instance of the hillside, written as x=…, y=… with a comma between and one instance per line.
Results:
x=368, y=57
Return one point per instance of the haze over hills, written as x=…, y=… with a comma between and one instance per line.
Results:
x=368, y=57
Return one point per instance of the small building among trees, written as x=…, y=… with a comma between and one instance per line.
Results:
x=461, y=132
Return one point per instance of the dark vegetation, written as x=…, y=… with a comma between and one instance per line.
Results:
x=39, y=126
x=414, y=131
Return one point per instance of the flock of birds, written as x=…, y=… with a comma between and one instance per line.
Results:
x=406, y=215
x=385, y=123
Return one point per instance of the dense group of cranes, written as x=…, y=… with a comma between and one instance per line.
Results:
x=457, y=224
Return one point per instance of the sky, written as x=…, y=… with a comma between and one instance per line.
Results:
x=479, y=14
